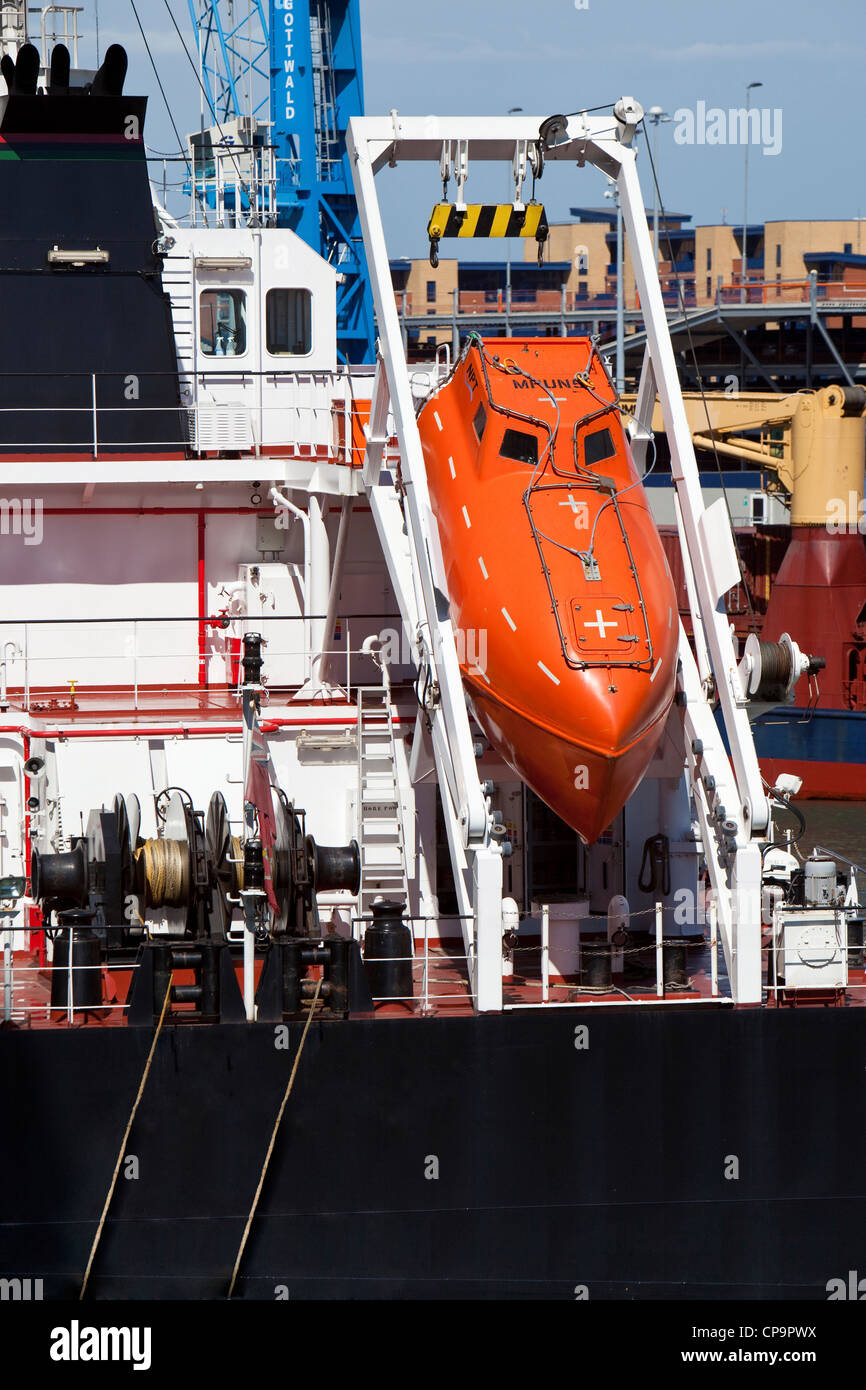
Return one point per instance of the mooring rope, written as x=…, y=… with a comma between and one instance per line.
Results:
x=96, y=1239
x=166, y=872
x=238, y=864
x=279, y=1118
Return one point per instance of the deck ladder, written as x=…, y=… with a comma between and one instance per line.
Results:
x=380, y=812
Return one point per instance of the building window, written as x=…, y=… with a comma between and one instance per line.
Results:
x=431, y=291
x=289, y=315
x=846, y=249
x=778, y=256
x=709, y=287
x=709, y=258
x=223, y=323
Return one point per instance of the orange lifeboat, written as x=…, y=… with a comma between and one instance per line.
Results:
x=560, y=591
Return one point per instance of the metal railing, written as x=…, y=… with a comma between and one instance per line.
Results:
x=237, y=187
x=690, y=290
x=316, y=414
x=799, y=291
x=49, y=668
x=440, y=976
x=618, y=952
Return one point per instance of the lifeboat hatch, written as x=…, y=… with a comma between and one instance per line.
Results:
x=604, y=626
x=596, y=627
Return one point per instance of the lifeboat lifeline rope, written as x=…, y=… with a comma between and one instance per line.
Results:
x=96, y=1239
x=279, y=1118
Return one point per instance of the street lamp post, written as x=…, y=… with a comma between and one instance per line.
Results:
x=743, y=295
x=512, y=111
x=657, y=116
x=613, y=192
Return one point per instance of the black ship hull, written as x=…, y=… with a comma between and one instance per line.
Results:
x=673, y=1153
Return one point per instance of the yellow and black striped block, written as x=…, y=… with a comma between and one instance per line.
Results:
x=488, y=220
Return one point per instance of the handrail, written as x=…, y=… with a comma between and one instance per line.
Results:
x=30, y=679
x=314, y=414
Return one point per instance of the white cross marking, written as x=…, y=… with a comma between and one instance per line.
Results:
x=549, y=399
x=575, y=506
x=601, y=624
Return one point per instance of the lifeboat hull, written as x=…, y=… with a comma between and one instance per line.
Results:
x=560, y=591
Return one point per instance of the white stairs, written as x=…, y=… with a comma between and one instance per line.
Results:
x=380, y=811
x=177, y=281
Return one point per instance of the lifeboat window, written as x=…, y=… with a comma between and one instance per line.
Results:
x=289, y=315
x=597, y=447
x=223, y=323
x=518, y=445
x=479, y=422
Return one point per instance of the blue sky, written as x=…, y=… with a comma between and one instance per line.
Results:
x=477, y=56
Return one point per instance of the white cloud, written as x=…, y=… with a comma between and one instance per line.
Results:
x=163, y=43
x=391, y=49
x=771, y=48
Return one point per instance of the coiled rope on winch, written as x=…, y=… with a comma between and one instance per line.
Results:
x=166, y=872
x=776, y=667
x=238, y=861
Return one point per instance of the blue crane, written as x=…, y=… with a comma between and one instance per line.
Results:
x=293, y=68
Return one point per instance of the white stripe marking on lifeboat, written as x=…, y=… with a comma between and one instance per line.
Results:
x=436, y=418
x=542, y=667
x=466, y=519
x=669, y=619
x=510, y=621
x=483, y=567
x=655, y=670
x=451, y=466
x=602, y=623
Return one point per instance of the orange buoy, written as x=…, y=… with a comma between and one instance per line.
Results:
x=560, y=592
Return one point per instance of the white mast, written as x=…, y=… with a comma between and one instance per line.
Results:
x=13, y=25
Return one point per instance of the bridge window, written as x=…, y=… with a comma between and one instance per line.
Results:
x=223, y=323
x=521, y=447
x=597, y=447
x=289, y=316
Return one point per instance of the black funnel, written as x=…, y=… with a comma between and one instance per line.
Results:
x=74, y=177
x=7, y=67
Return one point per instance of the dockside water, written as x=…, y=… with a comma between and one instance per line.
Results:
x=835, y=825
